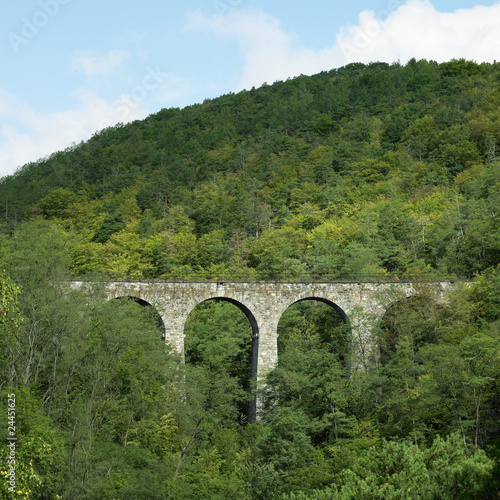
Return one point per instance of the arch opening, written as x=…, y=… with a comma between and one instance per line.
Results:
x=221, y=342
x=313, y=365
x=151, y=316
x=315, y=323
x=411, y=319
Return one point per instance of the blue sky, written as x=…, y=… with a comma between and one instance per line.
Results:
x=72, y=67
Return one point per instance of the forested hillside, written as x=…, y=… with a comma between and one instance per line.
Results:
x=365, y=171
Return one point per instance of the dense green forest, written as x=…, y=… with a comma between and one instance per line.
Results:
x=366, y=171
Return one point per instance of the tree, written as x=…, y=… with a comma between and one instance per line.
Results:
x=400, y=470
x=10, y=322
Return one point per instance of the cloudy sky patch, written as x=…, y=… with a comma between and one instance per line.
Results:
x=90, y=65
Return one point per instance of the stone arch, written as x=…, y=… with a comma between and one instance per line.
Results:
x=248, y=313
x=334, y=306
x=144, y=303
x=318, y=298
x=254, y=341
x=330, y=303
x=416, y=305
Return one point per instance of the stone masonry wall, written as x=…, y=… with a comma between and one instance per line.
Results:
x=362, y=305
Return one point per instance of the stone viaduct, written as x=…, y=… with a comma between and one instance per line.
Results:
x=361, y=304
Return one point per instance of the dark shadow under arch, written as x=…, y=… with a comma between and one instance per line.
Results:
x=334, y=306
x=254, y=347
x=242, y=307
x=408, y=317
x=340, y=320
x=155, y=315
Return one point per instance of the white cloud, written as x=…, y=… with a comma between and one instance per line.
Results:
x=417, y=29
x=174, y=88
x=26, y=135
x=133, y=36
x=414, y=29
x=101, y=65
x=269, y=53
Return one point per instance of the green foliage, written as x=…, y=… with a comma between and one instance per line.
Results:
x=402, y=470
x=412, y=319
x=110, y=225
x=57, y=203
x=219, y=346
x=375, y=170
x=447, y=469
x=354, y=157
x=81, y=375
x=10, y=322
